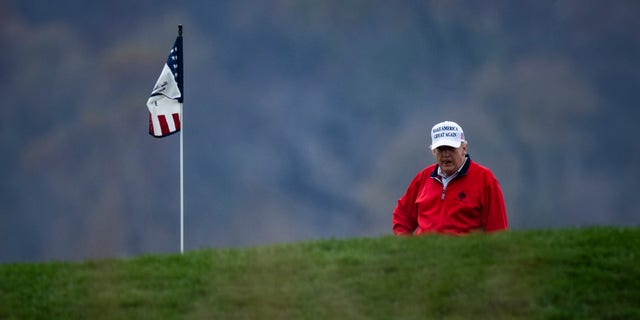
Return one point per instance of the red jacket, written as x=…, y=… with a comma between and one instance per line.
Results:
x=472, y=201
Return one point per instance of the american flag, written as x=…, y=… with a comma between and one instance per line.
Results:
x=165, y=102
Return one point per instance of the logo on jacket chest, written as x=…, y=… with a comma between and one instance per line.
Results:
x=462, y=196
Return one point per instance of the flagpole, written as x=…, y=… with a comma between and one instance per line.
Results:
x=181, y=182
x=181, y=150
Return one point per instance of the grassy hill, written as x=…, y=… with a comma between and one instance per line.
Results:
x=571, y=273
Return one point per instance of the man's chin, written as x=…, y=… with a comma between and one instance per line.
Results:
x=447, y=169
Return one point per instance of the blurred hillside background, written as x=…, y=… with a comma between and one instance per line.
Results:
x=305, y=119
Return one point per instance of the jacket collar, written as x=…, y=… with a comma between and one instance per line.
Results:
x=462, y=172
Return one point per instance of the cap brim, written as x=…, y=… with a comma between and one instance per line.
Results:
x=445, y=142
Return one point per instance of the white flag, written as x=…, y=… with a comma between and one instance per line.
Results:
x=165, y=102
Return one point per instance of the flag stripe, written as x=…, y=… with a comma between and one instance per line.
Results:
x=151, y=124
x=176, y=120
x=164, y=127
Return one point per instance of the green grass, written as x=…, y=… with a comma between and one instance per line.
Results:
x=552, y=274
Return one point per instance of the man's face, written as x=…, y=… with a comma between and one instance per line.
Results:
x=449, y=158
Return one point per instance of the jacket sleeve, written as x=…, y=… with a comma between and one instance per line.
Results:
x=495, y=213
x=405, y=216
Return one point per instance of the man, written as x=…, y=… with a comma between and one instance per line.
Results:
x=454, y=195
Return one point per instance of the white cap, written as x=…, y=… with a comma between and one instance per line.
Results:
x=447, y=133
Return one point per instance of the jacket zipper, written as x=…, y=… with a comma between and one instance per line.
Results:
x=443, y=187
